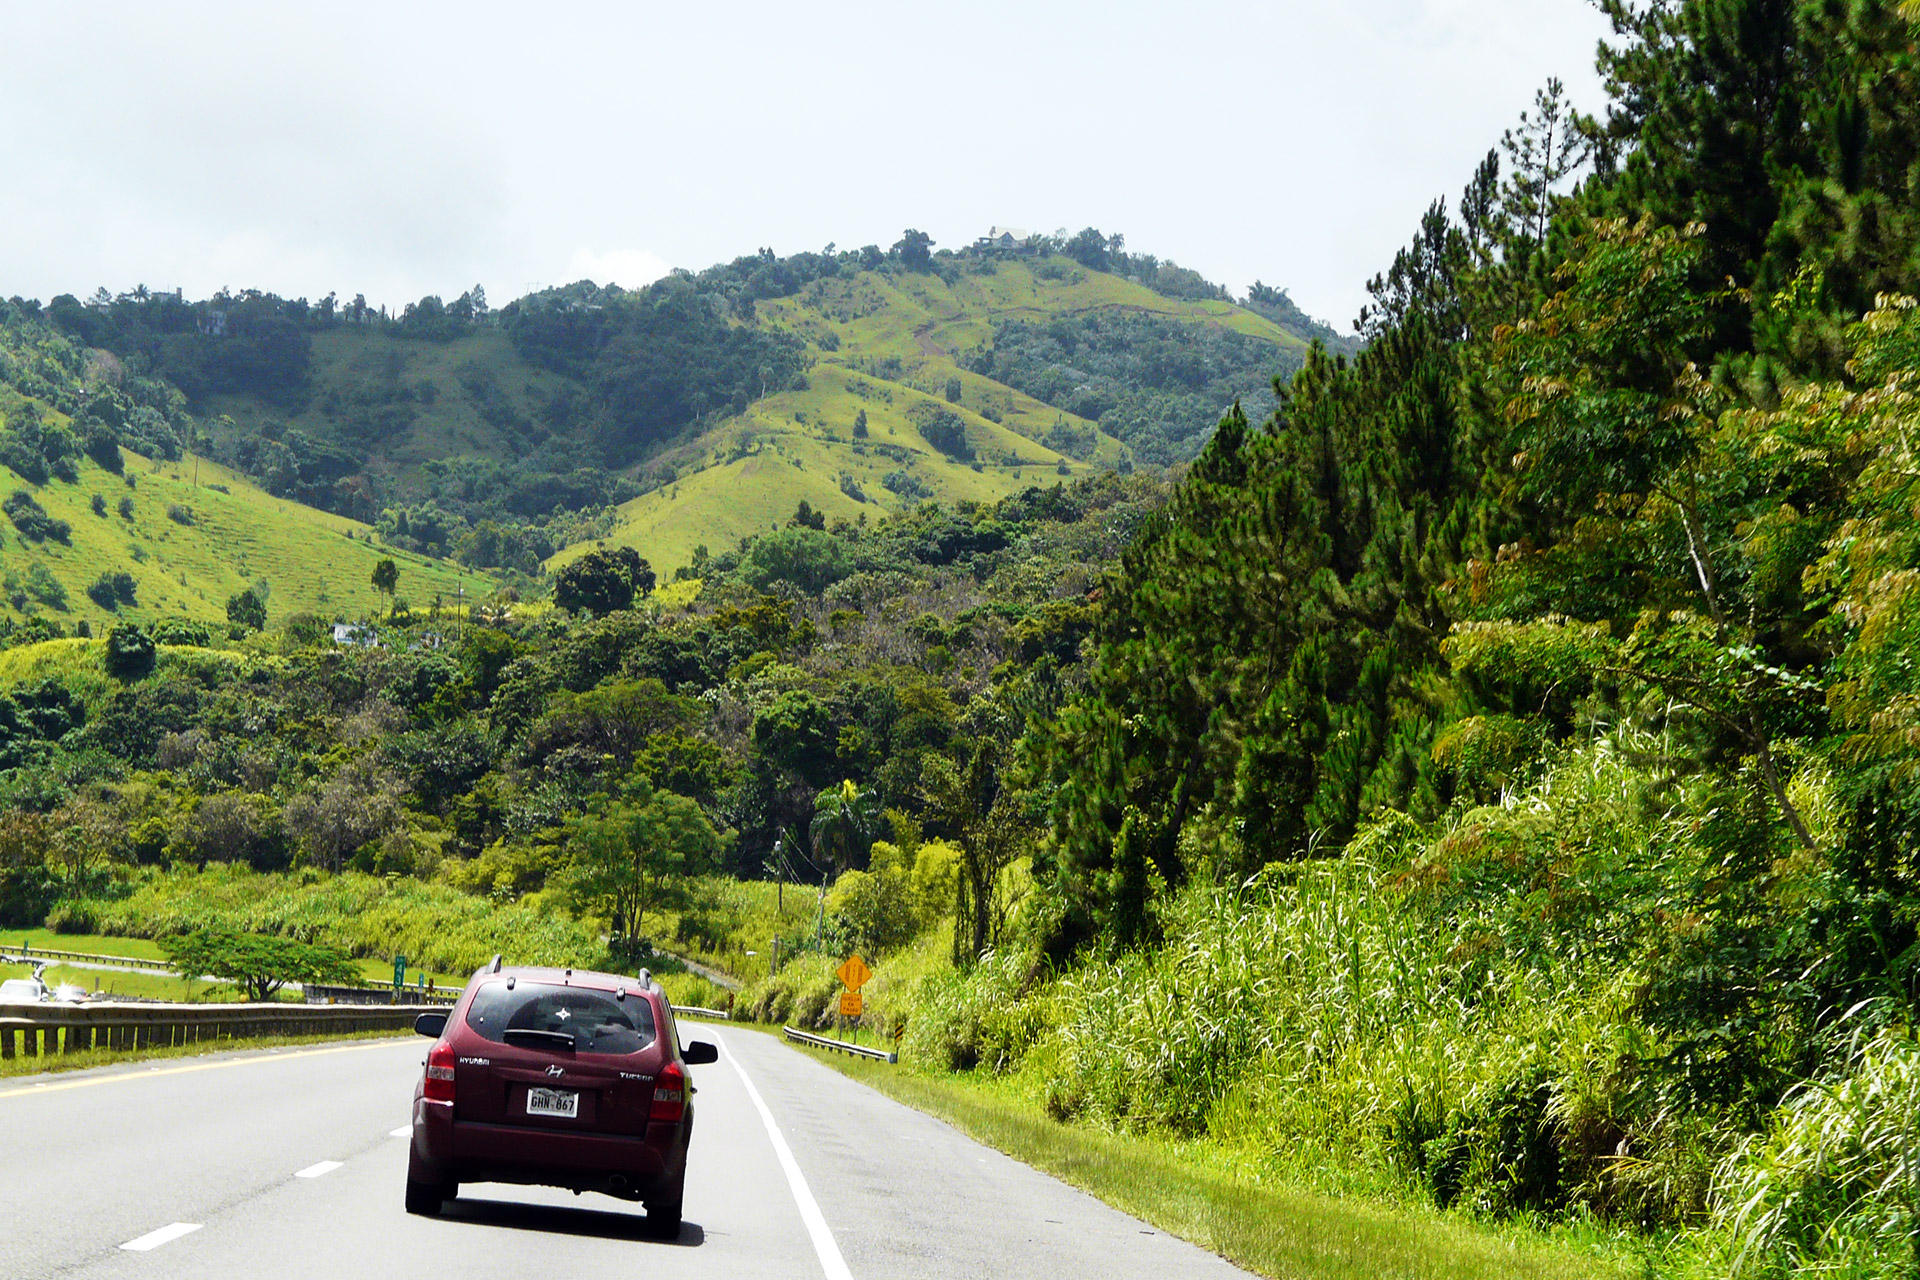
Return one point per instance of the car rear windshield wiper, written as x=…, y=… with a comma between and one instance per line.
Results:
x=534, y=1038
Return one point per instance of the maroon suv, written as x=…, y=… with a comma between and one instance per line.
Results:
x=556, y=1077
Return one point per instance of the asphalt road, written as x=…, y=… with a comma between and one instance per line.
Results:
x=287, y=1164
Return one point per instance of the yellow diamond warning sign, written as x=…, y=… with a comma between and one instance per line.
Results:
x=854, y=973
x=849, y=1004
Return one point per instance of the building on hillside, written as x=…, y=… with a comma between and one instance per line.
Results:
x=1004, y=240
x=355, y=633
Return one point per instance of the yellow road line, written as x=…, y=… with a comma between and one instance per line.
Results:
x=254, y=1059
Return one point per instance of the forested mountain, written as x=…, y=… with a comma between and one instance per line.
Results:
x=709, y=404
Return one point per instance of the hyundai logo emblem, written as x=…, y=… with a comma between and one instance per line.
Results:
x=556, y=1071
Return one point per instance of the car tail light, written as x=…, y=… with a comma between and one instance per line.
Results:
x=669, y=1094
x=439, y=1074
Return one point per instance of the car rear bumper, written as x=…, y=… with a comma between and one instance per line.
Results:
x=467, y=1151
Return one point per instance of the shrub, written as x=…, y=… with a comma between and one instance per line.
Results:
x=126, y=503
x=99, y=505
x=71, y=917
x=947, y=432
x=111, y=590
x=907, y=485
x=179, y=514
x=247, y=611
x=44, y=587
x=32, y=520
x=182, y=631
x=130, y=653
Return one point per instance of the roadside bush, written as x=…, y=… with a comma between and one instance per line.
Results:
x=70, y=918
x=961, y=1021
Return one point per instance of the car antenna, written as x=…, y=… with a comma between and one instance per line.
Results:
x=494, y=965
x=646, y=979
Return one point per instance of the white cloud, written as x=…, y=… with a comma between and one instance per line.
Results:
x=628, y=268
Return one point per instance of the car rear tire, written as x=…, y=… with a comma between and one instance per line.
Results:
x=424, y=1198
x=663, y=1216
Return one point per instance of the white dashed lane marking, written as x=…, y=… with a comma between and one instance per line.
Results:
x=404, y=1131
x=154, y=1239
x=318, y=1170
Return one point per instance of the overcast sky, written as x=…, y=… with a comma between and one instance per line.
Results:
x=404, y=149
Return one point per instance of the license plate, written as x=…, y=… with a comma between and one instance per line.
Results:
x=553, y=1102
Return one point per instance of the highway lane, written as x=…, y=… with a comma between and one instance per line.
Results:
x=286, y=1164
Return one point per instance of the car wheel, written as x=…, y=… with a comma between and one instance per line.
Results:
x=663, y=1216
x=423, y=1198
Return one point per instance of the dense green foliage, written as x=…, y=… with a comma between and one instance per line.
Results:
x=1496, y=769
x=1151, y=382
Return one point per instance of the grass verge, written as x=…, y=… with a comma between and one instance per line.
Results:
x=11, y=1068
x=1272, y=1230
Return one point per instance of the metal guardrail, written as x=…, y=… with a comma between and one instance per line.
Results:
x=336, y=994
x=43, y=1030
x=839, y=1046
x=26, y=953
x=316, y=993
x=698, y=1012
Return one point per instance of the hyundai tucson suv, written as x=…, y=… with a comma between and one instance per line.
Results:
x=559, y=1078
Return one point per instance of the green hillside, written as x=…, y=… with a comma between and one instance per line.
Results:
x=886, y=345
x=399, y=405
x=694, y=412
x=232, y=536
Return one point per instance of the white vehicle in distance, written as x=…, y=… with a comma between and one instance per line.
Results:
x=25, y=990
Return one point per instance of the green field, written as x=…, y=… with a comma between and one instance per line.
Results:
x=238, y=535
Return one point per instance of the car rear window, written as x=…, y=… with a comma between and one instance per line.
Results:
x=597, y=1021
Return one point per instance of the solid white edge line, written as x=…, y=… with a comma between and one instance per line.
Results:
x=154, y=1239
x=831, y=1262
x=404, y=1131
x=316, y=1170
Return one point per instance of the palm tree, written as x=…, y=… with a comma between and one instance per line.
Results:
x=845, y=819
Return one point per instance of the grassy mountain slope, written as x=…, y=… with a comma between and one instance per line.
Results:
x=401, y=404
x=310, y=560
x=704, y=408
x=886, y=344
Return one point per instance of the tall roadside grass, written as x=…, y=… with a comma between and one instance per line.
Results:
x=439, y=929
x=1519, y=1014
x=1833, y=1188
x=1187, y=1189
